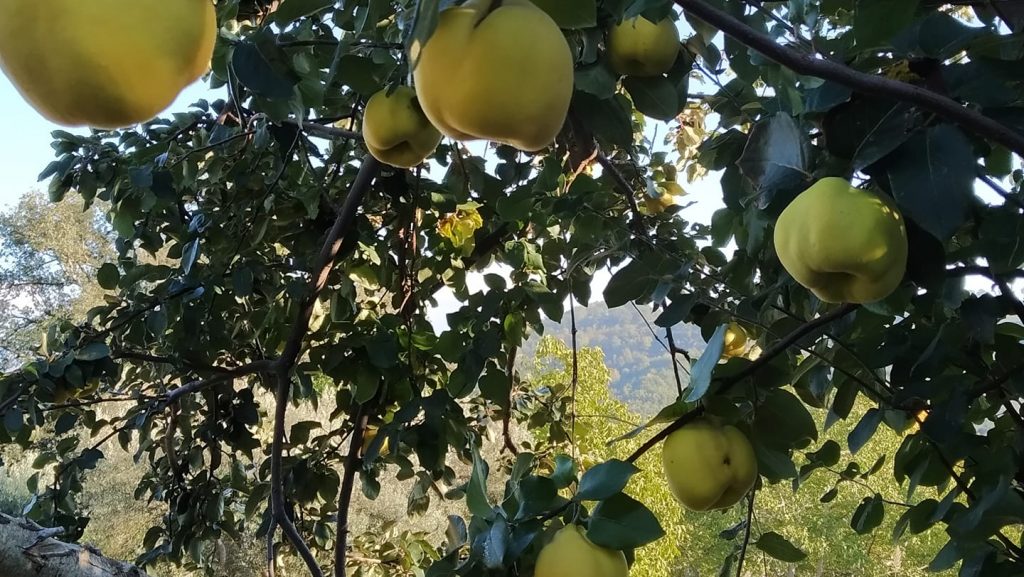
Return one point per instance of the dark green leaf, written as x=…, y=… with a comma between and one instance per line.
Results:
x=653, y=96
x=779, y=547
x=869, y=515
x=570, y=15
x=93, y=351
x=932, y=178
x=622, y=522
x=565, y=471
x=605, y=480
x=108, y=276
x=777, y=159
x=864, y=430
x=292, y=10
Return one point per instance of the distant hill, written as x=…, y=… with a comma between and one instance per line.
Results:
x=641, y=368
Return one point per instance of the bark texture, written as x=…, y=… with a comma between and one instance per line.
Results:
x=28, y=550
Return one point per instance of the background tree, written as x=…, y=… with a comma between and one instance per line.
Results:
x=294, y=258
x=50, y=255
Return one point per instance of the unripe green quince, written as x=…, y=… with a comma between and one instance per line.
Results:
x=843, y=243
x=504, y=75
x=395, y=129
x=708, y=466
x=639, y=47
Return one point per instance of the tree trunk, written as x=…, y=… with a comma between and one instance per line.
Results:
x=28, y=550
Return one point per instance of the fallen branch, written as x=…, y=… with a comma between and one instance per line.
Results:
x=28, y=550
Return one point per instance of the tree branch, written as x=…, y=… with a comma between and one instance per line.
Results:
x=626, y=189
x=283, y=366
x=746, y=533
x=252, y=368
x=352, y=463
x=328, y=132
x=864, y=83
x=731, y=381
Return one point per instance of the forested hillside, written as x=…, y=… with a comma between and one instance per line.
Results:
x=634, y=350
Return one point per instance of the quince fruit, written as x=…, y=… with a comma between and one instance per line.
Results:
x=639, y=47
x=842, y=243
x=735, y=340
x=104, y=63
x=708, y=466
x=571, y=554
x=396, y=131
x=669, y=191
x=504, y=75
x=369, y=436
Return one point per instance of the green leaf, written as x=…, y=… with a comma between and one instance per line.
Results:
x=571, y=15
x=596, y=79
x=932, y=178
x=253, y=68
x=108, y=276
x=704, y=367
x=778, y=547
x=777, y=159
x=565, y=471
x=292, y=10
x=783, y=422
x=869, y=515
x=93, y=351
x=605, y=480
x=828, y=455
x=476, y=491
x=621, y=522
x=866, y=130
x=864, y=430
x=676, y=311
x=876, y=21
x=496, y=544
x=653, y=96
x=536, y=495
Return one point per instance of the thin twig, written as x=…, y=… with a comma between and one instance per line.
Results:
x=672, y=353
x=626, y=190
x=352, y=464
x=746, y=534
x=871, y=84
x=999, y=189
x=506, y=433
x=575, y=370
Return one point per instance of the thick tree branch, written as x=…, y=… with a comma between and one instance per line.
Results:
x=293, y=346
x=864, y=83
x=768, y=356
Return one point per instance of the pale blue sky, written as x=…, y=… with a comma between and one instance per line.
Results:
x=25, y=149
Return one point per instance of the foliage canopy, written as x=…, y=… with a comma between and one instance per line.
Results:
x=287, y=258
